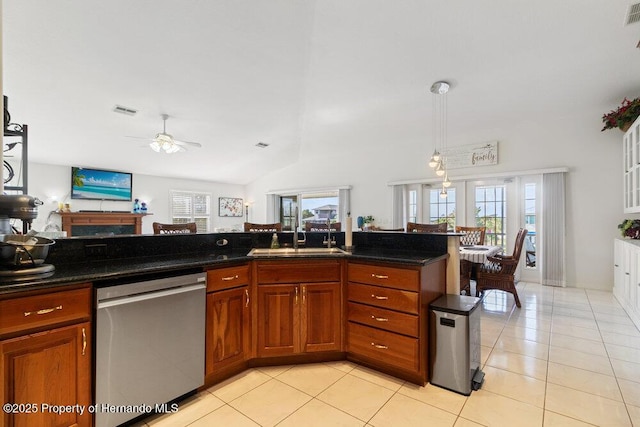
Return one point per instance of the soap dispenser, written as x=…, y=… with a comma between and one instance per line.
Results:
x=274, y=241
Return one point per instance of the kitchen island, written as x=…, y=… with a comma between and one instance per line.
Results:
x=369, y=305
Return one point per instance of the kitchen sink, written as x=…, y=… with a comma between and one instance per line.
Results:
x=295, y=252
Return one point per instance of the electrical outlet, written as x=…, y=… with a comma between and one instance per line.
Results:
x=97, y=250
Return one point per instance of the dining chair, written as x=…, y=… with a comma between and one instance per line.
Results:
x=414, y=227
x=322, y=226
x=186, y=228
x=499, y=272
x=471, y=235
x=263, y=228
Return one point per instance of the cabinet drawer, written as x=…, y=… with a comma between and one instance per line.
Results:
x=393, y=321
x=32, y=312
x=306, y=271
x=393, y=299
x=227, y=277
x=383, y=346
x=399, y=278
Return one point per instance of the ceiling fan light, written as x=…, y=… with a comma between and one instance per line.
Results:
x=155, y=146
x=171, y=148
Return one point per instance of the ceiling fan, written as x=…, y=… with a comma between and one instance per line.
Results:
x=164, y=142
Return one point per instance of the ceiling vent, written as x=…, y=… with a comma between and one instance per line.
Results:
x=262, y=145
x=633, y=16
x=125, y=110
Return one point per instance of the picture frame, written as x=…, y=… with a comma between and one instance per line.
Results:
x=230, y=206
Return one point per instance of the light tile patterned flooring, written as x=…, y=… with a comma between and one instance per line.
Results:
x=568, y=357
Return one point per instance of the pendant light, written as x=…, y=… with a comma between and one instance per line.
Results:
x=438, y=160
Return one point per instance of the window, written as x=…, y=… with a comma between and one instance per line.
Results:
x=442, y=209
x=530, y=224
x=491, y=208
x=191, y=207
x=413, y=205
x=314, y=207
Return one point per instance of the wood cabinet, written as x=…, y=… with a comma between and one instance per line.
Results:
x=388, y=318
x=45, y=357
x=631, y=168
x=626, y=276
x=299, y=307
x=228, y=328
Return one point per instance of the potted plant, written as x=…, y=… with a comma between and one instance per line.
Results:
x=623, y=116
x=630, y=228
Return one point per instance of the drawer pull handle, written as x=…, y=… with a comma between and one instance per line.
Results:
x=379, y=276
x=380, y=346
x=43, y=311
x=84, y=341
x=226, y=279
x=379, y=297
x=379, y=319
x=246, y=292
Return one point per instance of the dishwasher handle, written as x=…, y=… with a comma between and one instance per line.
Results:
x=147, y=296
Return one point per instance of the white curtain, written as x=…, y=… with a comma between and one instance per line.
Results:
x=344, y=204
x=398, y=206
x=273, y=208
x=553, y=236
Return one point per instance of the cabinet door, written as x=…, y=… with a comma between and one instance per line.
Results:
x=618, y=268
x=52, y=367
x=278, y=320
x=228, y=328
x=321, y=317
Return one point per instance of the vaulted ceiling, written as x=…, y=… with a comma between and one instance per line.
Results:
x=234, y=73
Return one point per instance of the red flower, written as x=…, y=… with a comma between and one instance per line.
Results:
x=627, y=112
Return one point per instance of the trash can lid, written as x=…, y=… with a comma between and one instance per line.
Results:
x=456, y=304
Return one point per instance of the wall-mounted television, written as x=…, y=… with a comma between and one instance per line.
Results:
x=100, y=184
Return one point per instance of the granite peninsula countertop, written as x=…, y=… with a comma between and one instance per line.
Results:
x=138, y=267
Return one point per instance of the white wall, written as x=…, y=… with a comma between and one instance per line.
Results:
x=52, y=184
x=594, y=193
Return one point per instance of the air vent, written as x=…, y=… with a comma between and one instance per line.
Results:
x=125, y=110
x=262, y=145
x=634, y=14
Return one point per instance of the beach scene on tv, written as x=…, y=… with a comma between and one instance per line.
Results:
x=100, y=184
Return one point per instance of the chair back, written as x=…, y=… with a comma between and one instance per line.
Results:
x=263, y=228
x=414, y=227
x=472, y=235
x=517, y=250
x=322, y=226
x=186, y=228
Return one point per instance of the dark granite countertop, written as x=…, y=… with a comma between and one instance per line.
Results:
x=126, y=259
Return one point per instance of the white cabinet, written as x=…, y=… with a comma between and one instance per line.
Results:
x=631, y=168
x=626, y=281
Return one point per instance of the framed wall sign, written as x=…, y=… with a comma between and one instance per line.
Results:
x=471, y=155
x=230, y=206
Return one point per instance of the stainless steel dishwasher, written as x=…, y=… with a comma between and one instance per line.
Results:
x=149, y=345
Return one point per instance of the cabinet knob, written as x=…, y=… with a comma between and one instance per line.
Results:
x=379, y=297
x=380, y=346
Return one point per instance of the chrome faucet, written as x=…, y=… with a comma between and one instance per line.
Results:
x=328, y=241
x=297, y=241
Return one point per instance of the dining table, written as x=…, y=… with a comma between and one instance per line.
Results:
x=477, y=254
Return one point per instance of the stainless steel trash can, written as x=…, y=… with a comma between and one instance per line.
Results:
x=456, y=359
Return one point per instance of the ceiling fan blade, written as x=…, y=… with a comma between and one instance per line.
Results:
x=139, y=137
x=193, y=144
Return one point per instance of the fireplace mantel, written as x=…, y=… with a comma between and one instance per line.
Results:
x=101, y=223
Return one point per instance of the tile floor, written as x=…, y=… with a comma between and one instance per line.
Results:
x=568, y=357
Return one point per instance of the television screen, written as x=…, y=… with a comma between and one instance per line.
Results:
x=98, y=184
